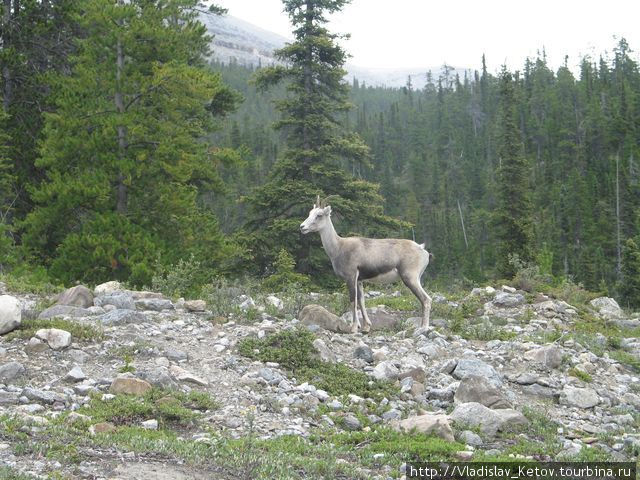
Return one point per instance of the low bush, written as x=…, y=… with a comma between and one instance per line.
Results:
x=293, y=350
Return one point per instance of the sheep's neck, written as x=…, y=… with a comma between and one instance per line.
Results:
x=330, y=240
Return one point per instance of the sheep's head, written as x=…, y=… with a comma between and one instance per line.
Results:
x=318, y=217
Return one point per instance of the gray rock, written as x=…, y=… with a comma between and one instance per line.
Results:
x=275, y=302
x=607, y=307
x=64, y=311
x=478, y=389
x=431, y=424
x=350, y=422
x=470, y=438
x=120, y=300
x=107, y=287
x=43, y=396
x=79, y=296
x=35, y=345
x=393, y=414
x=158, y=377
x=317, y=315
x=271, y=376
x=155, y=304
x=381, y=319
x=579, y=397
x=540, y=391
x=508, y=300
x=416, y=373
x=185, y=376
x=195, y=305
x=490, y=421
x=326, y=355
x=386, y=370
x=374, y=419
x=444, y=394
x=150, y=424
x=75, y=375
x=525, y=378
x=78, y=356
x=449, y=366
x=10, y=313
x=321, y=395
x=246, y=302
x=364, y=352
x=121, y=317
x=10, y=371
x=9, y=398
x=175, y=354
x=550, y=356
x=56, y=339
x=471, y=366
x=129, y=384
x=627, y=322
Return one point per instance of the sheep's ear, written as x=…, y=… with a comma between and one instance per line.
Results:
x=327, y=209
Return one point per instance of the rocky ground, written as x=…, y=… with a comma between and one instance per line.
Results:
x=86, y=385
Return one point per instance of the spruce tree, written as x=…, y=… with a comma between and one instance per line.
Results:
x=512, y=217
x=123, y=152
x=320, y=152
x=630, y=283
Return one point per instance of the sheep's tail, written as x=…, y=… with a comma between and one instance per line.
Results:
x=422, y=246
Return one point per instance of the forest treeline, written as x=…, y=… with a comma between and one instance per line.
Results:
x=436, y=154
x=124, y=152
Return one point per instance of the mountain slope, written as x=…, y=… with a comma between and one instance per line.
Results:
x=242, y=42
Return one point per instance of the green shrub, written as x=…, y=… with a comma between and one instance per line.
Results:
x=184, y=279
x=108, y=247
x=284, y=275
x=584, y=376
x=166, y=406
x=222, y=294
x=293, y=350
x=24, y=278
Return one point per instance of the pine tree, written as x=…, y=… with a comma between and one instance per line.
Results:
x=7, y=198
x=320, y=153
x=36, y=39
x=630, y=284
x=512, y=216
x=123, y=152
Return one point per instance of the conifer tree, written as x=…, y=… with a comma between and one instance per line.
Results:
x=123, y=153
x=513, y=213
x=320, y=153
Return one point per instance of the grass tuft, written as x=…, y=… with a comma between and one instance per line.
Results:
x=78, y=331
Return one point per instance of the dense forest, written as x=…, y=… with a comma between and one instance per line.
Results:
x=125, y=151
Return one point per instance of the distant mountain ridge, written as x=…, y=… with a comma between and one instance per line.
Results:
x=247, y=44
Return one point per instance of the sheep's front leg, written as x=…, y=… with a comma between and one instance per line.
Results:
x=366, y=328
x=352, y=284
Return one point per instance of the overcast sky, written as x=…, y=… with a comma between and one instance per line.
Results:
x=425, y=33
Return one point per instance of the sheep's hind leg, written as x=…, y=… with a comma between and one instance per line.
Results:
x=424, y=298
x=366, y=327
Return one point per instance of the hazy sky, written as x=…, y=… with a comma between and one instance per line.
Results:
x=426, y=33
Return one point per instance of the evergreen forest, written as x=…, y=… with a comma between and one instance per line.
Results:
x=126, y=152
